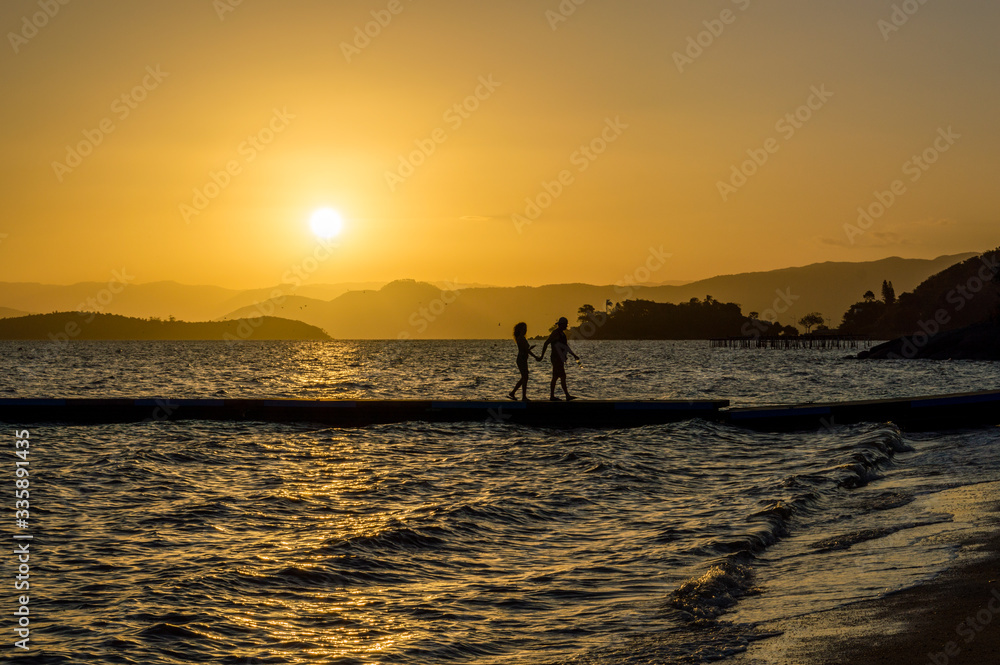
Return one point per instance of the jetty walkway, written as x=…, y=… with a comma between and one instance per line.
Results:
x=911, y=413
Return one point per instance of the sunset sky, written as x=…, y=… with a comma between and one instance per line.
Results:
x=192, y=140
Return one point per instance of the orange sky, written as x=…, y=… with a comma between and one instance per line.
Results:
x=155, y=97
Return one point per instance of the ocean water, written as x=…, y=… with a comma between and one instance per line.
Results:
x=246, y=543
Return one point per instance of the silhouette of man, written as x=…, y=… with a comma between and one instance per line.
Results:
x=560, y=347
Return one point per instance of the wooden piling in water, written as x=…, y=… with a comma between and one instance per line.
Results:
x=796, y=342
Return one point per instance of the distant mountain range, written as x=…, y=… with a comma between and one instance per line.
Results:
x=7, y=312
x=419, y=310
x=412, y=309
x=159, y=299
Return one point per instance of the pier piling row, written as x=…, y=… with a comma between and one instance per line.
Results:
x=794, y=342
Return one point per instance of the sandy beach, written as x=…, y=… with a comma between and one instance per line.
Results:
x=952, y=619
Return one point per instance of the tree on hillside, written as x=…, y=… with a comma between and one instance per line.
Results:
x=811, y=319
x=790, y=331
x=645, y=319
x=869, y=296
x=888, y=293
x=862, y=318
x=585, y=313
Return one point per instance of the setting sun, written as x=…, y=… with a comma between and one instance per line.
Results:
x=326, y=223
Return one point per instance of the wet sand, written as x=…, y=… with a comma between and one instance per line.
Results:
x=953, y=619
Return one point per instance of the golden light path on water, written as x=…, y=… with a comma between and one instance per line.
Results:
x=374, y=631
x=352, y=518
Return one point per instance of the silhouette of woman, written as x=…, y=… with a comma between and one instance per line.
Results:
x=560, y=348
x=523, y=351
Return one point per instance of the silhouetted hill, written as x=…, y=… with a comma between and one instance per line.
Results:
x=953, y=314
x=7, y=312
x=66, y=326
x=420, y=310
x=961, y=295
x=371, y=310
x=291, y=307
x=958, y=296
x=828, y=288
x=644, y=319
x=120, y=295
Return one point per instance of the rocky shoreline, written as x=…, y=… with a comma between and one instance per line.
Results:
x=980, y=341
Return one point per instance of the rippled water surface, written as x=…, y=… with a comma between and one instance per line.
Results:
x=472, y=542
x=474, y=369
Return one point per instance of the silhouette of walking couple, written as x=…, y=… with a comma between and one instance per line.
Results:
x=560, y=349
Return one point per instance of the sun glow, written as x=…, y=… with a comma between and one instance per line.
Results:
x=326, y=223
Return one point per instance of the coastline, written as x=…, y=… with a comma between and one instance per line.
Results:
x=950, y=619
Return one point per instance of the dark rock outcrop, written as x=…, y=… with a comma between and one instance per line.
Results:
x=980, y=341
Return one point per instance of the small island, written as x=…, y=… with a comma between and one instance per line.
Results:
x=91, y=326
x=648, y=320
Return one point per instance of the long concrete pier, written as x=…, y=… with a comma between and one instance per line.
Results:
x=913, y=413
x=354, y=413
x=955, y=411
